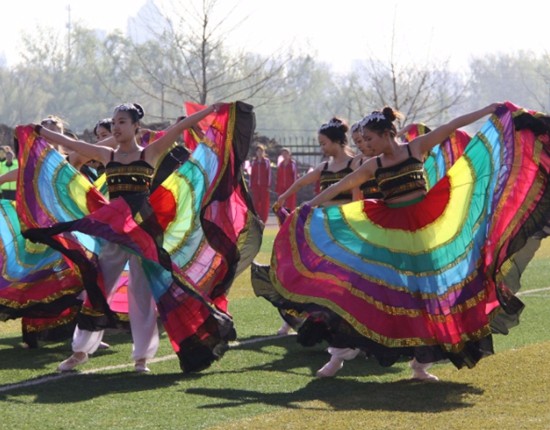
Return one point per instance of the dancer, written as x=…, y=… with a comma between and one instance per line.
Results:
x=333, y=141
x=441, y=158
x=8, y=163
x=406, y=178
x=50, y=302
x=129, y=170
x=47, y=325
x=287, y=173
x=417, y=274
x=51, y=122
x=51, y=315
x=367, y=190
x=260, y=182
x=102, y=131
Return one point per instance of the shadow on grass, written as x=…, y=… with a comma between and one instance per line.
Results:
x=282, y=361
x=351, y=395
x=87, y=387
x=284, y=354
x=345, y=392
x=49, y=354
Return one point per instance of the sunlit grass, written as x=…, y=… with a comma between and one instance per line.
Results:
x=271, y=383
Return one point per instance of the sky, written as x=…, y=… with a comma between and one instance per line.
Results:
x=336, y=32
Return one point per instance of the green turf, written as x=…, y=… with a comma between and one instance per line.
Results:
x=270, y=383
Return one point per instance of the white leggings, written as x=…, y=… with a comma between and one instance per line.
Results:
x=343, y=353
x=141, y=306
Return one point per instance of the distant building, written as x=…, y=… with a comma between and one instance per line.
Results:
x=146, y=23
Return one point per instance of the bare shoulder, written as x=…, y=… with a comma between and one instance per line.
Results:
x=321, y=166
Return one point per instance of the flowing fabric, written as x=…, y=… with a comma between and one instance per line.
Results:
x=189, y=136
x=195, y=233
x=37, y=283
x=35, y=280
x=430, y=276
x=440, y=159
x=437, y=163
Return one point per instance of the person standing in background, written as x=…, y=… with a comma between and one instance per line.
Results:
x=260, y=182
x=8, y=162
x=287, y=173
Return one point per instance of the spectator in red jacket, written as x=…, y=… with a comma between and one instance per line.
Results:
x=260, y=182
x=287, y=173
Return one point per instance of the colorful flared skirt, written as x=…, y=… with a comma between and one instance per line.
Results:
x=194, y=234
x=428, y=279
x=39, y=286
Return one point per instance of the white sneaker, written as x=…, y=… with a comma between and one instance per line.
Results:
x=284, y=329
x=331, y=368
x=103, y=345
x=74, y=360
x=141, y=366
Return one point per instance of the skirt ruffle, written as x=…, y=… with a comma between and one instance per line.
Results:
x=428, y=276
x=194, y=234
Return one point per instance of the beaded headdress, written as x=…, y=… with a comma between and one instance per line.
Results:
x=330, y=124
x=356, y=127
x=375, y=116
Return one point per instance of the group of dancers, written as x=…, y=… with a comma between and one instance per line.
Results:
x=408, y=252
x=425, y=264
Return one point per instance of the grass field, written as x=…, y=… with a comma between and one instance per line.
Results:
x=265, y=381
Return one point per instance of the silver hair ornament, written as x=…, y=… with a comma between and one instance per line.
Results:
x=375, y=116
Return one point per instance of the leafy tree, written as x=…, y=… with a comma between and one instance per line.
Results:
x=53, y=78
x=523, y=78
x=422, y=93
x=186, y=58
x=313, y=103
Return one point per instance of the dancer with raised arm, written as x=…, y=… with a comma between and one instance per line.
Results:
x=418, y=273
x=207, y=192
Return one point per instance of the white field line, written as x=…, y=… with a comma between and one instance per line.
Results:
x=49, y=378
x=58, y=376
x=539, y=290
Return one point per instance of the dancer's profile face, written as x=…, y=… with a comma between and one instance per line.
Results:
x=374, y=141
x=328, y=147
x=102, y=133
x=357, y=138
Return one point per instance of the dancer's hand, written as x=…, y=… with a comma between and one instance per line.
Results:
x=217, y=106
x=280, y=201
x=404, y=130
x=36, y=127
x=492, y=108
x=198, y=131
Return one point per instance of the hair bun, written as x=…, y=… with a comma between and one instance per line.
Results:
x=141, y=112
x=389, y=114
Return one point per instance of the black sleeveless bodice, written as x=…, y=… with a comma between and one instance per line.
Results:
x=132, y=178
x=401, y=179
x=370, y=188
x=328, y=178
